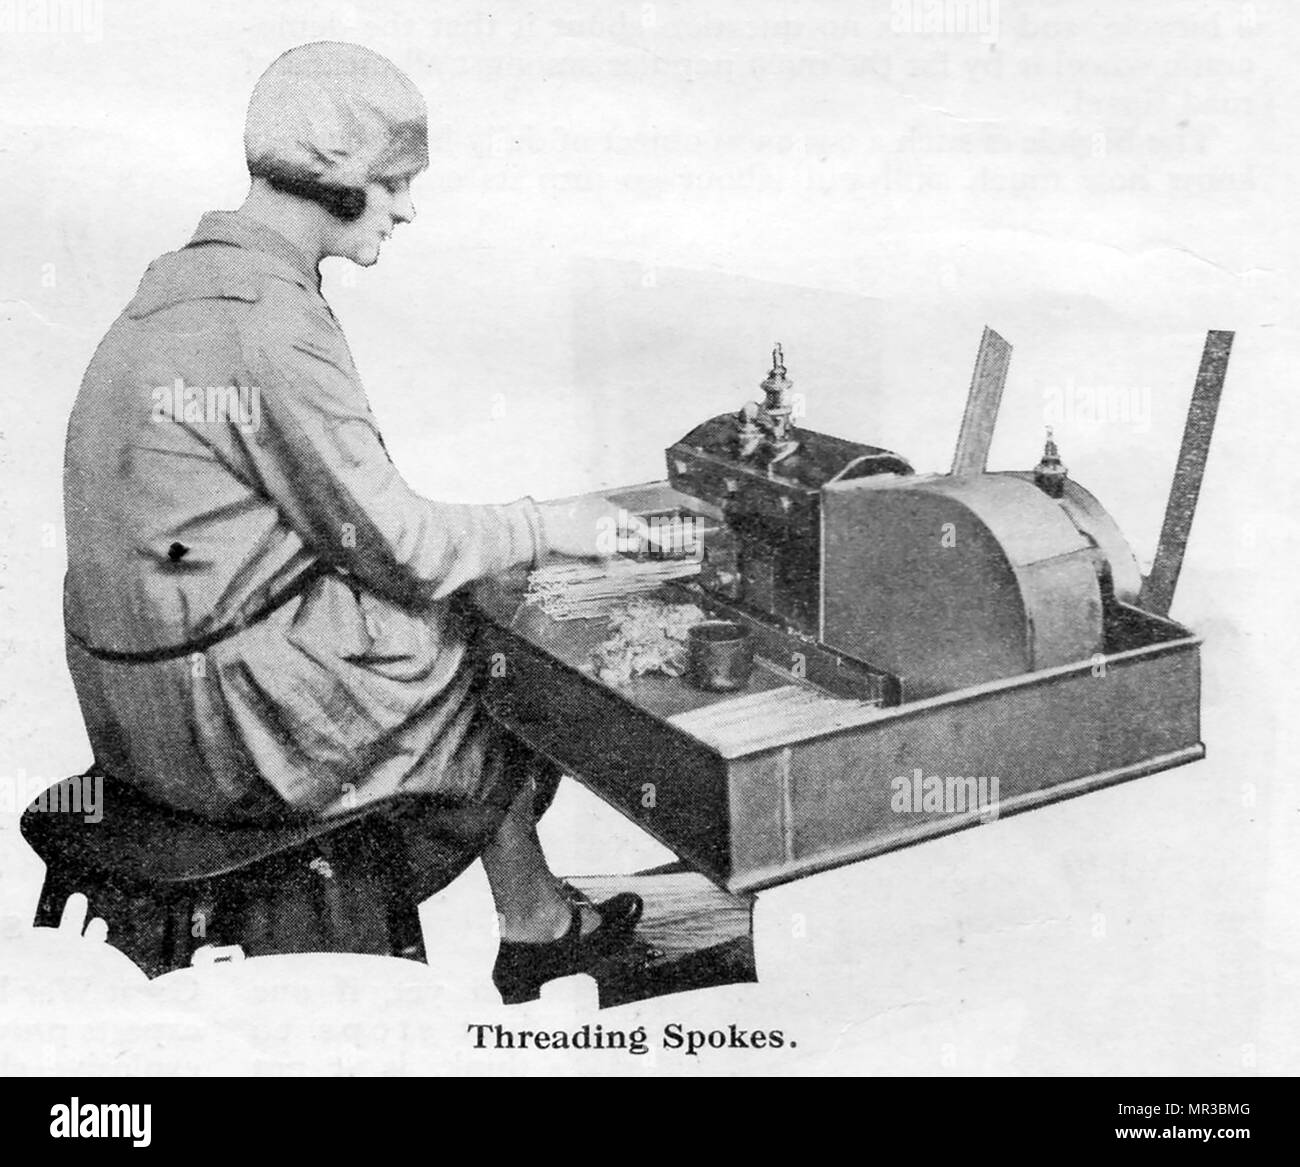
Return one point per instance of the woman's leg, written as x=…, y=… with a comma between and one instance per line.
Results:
x=531, y=905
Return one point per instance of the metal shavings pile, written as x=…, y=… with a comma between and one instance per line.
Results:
x=649, y=636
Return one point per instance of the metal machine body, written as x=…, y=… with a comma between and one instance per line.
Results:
x=946, y=629
x=948, y=583
x=940, y=581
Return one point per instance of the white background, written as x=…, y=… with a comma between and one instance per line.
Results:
x=628, y=203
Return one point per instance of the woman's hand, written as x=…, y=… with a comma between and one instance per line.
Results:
x=588, y=527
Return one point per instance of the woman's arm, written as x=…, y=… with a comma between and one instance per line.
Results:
x=317, y=454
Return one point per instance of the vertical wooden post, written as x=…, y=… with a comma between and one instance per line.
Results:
x=982, y=402
x=1158, y=587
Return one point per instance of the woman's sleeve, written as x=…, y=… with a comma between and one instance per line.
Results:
x=319, y=457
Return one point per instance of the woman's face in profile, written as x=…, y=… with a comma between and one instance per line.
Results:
x=388, y=203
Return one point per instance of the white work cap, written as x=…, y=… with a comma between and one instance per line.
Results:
x=336, y=114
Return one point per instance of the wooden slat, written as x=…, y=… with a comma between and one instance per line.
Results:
x=684, y=912
x=757, y=721
x=982, y=403
x=1158, y=588
x=699, y=937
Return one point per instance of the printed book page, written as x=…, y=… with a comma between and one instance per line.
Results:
x=648, y=539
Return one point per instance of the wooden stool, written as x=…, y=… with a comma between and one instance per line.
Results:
x=176, y=889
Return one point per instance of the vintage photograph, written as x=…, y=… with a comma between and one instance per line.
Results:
x=648, y=539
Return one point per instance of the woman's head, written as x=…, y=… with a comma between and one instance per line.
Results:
x=342, y=127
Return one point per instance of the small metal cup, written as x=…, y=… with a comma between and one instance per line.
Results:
x=720, y=655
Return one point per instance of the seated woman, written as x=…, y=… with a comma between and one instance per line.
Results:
x=261, y=615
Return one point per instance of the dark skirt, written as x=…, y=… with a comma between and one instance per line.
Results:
x=351, y=886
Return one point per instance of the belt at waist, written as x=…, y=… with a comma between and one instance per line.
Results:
x=205, y=642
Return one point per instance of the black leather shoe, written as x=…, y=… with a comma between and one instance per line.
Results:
x=521, y=969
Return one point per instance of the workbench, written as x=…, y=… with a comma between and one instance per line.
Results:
x=755, y=803
x=985, y=638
